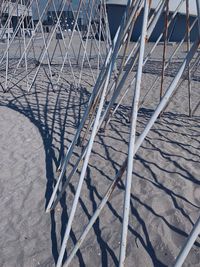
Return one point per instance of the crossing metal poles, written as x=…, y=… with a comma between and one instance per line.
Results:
x=89, y=148
x=86, y=44
x=104, y=95
x=138, y=143
x=31, y=38
x=46, y=46
x=131, y=64
x=95, y=92
x=16, y=31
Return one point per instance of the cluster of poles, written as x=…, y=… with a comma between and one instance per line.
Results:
x=27, y=54
x=107, y=91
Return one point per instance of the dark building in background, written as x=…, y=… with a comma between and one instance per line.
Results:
x=16, y=11
x=176, y=31
x=67, y=20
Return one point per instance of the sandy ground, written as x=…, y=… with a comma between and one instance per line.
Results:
x=35, y=130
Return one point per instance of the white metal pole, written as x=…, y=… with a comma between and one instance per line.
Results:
x=198, y=14
x=132, y=138
x=188, y=245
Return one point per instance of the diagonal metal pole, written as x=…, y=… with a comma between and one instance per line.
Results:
x=25, y=56
x=7, y=54
x=132, y=137
x=188, y=245
x=188, y=48
x=165, y=46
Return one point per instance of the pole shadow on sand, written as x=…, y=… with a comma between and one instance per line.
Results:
x=57, y=115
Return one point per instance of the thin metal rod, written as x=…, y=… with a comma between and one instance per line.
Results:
x=132, y=138
x=25, y=57
x=188, y=48
x=164, y=47
x=99, y=35
x=188, y=245
x=7, y=62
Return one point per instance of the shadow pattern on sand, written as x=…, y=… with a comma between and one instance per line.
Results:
x=57, y=116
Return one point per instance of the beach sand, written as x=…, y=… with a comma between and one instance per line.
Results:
x=36, y=129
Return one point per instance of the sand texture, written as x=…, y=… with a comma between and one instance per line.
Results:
x=36, y=129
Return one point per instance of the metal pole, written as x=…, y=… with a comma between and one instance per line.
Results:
x=164, y=48
x=198, y=14
x=188, y=49
x=132, y=138
x=188, y=245
x=25, y=57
